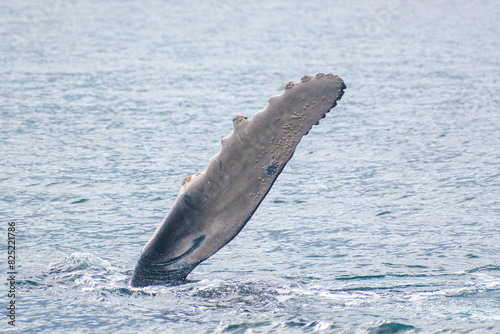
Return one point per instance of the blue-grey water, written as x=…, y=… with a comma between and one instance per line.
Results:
x=386, y=220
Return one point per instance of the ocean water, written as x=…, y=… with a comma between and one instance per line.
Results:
x=386, y=220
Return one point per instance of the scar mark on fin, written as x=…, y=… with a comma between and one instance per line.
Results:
x=271, y=169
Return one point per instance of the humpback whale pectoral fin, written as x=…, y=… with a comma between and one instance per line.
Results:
x=213, y=207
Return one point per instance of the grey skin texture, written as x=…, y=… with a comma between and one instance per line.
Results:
x=213, y=206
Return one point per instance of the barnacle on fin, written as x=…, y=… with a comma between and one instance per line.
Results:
x=238, y=119
x=186, y=180
x=305, y=78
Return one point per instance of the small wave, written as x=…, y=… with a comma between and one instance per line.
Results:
x=242, y=327
x=383, y=213
x=484, y=268
x=347, y=278
x=80, y=201
x=274, y=326
x=390, y=327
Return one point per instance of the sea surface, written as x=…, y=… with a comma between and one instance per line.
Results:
x=386, y=220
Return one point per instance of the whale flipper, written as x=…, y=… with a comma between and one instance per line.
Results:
x=214, y=205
